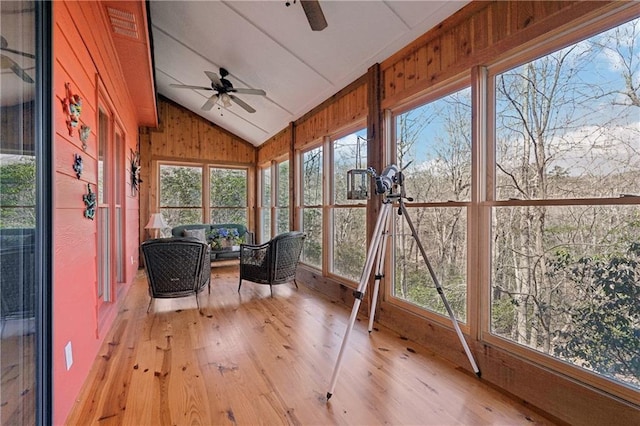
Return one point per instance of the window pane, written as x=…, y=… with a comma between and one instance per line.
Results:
x=442, y=232
x=349, y=242
x=103, y=141
x=312, y=225
x=349, y=152
x=177, y=216
x=265, y=204
x=565, y=283
x=436, y=140
x=283, y=184
x=180, y=186
x=282, y=220
x=266, y=188
x=20, y=286
x=17, y=191
x=312, y=177
x=229, y=215
x=567, y=124
x=265, y=219
x=228, y=187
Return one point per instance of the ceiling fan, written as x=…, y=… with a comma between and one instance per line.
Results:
x=314, y=13
x=224, y=91
x=7, y=63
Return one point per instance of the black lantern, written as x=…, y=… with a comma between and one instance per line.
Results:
x=358, y=178
x=357, y=184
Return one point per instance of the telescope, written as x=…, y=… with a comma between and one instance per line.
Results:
x=386, y=180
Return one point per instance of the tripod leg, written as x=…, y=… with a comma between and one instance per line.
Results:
x=405, y=213
x=379, y=274
x=359, y=293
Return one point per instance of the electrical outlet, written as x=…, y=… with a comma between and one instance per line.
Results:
x=68, y=355
x=132, y=260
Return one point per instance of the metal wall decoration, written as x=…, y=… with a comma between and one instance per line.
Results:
x=84, y=133
x=134, y=159
x=77, y=165
x=72, y=105
x=90, y=203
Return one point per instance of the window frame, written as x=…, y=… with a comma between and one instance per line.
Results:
x=205, y=168
x=455, y=84
x=331, y=205
x=486, y=135
x=274, y=206
x=300, y=202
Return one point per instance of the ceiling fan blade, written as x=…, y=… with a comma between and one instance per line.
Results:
x=249, y=91
x=210, y=103
x=243, y=104
x=186, y=86
x=214, y=78
x=8, y=63
x=4, y=46
x=314, y=14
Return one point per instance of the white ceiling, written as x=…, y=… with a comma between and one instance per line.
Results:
x=267, y=45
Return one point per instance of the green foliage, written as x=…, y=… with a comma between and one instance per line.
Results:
x=503, y=316
x=18, y=193
x=180, y=186
x=228, y=188
x=605, y=321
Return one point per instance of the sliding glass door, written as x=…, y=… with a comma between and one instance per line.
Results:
x=25, y=201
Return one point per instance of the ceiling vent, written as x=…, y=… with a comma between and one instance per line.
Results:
x=123, y=22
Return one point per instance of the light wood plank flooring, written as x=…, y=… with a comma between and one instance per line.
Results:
x=251, y=359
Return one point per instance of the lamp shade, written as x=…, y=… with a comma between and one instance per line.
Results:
x=226, y=100
x=156, y=221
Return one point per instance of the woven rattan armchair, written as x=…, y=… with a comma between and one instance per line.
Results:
x=17, y=283
x=176, y=267
x=273, y=262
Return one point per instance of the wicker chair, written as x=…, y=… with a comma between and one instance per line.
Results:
x=17, y=283
x=273, y=262
x=176, y=267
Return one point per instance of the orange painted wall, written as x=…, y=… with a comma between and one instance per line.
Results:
x=84, y=54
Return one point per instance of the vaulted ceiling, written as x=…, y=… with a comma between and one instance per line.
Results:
x=269, y=45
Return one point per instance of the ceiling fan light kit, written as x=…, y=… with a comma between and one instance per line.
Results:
x=223, y=91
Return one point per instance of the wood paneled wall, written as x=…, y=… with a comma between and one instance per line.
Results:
x=276, y=146
x=341, y=110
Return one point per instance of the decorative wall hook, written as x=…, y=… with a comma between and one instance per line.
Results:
x=84, y=133
x=134, y=159
x=72, y=105
x=77, y=165
x=90, y=203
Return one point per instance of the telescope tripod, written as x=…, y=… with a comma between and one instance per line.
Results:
x=376, y=252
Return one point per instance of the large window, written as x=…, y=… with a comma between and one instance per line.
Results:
x=188, y=196
x=228, y=195
x=348, y=217
x=565, y=226
x=312, y=201
x=181, y=194
x=265, y=203
x=274, y=199
x=336, y=226
x=281, y=213
x=433, y=148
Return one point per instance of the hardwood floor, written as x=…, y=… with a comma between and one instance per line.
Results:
x=253, y=359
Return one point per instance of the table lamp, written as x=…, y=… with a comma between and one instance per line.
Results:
x=156, y=223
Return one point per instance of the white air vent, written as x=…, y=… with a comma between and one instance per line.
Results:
x=123, y=22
